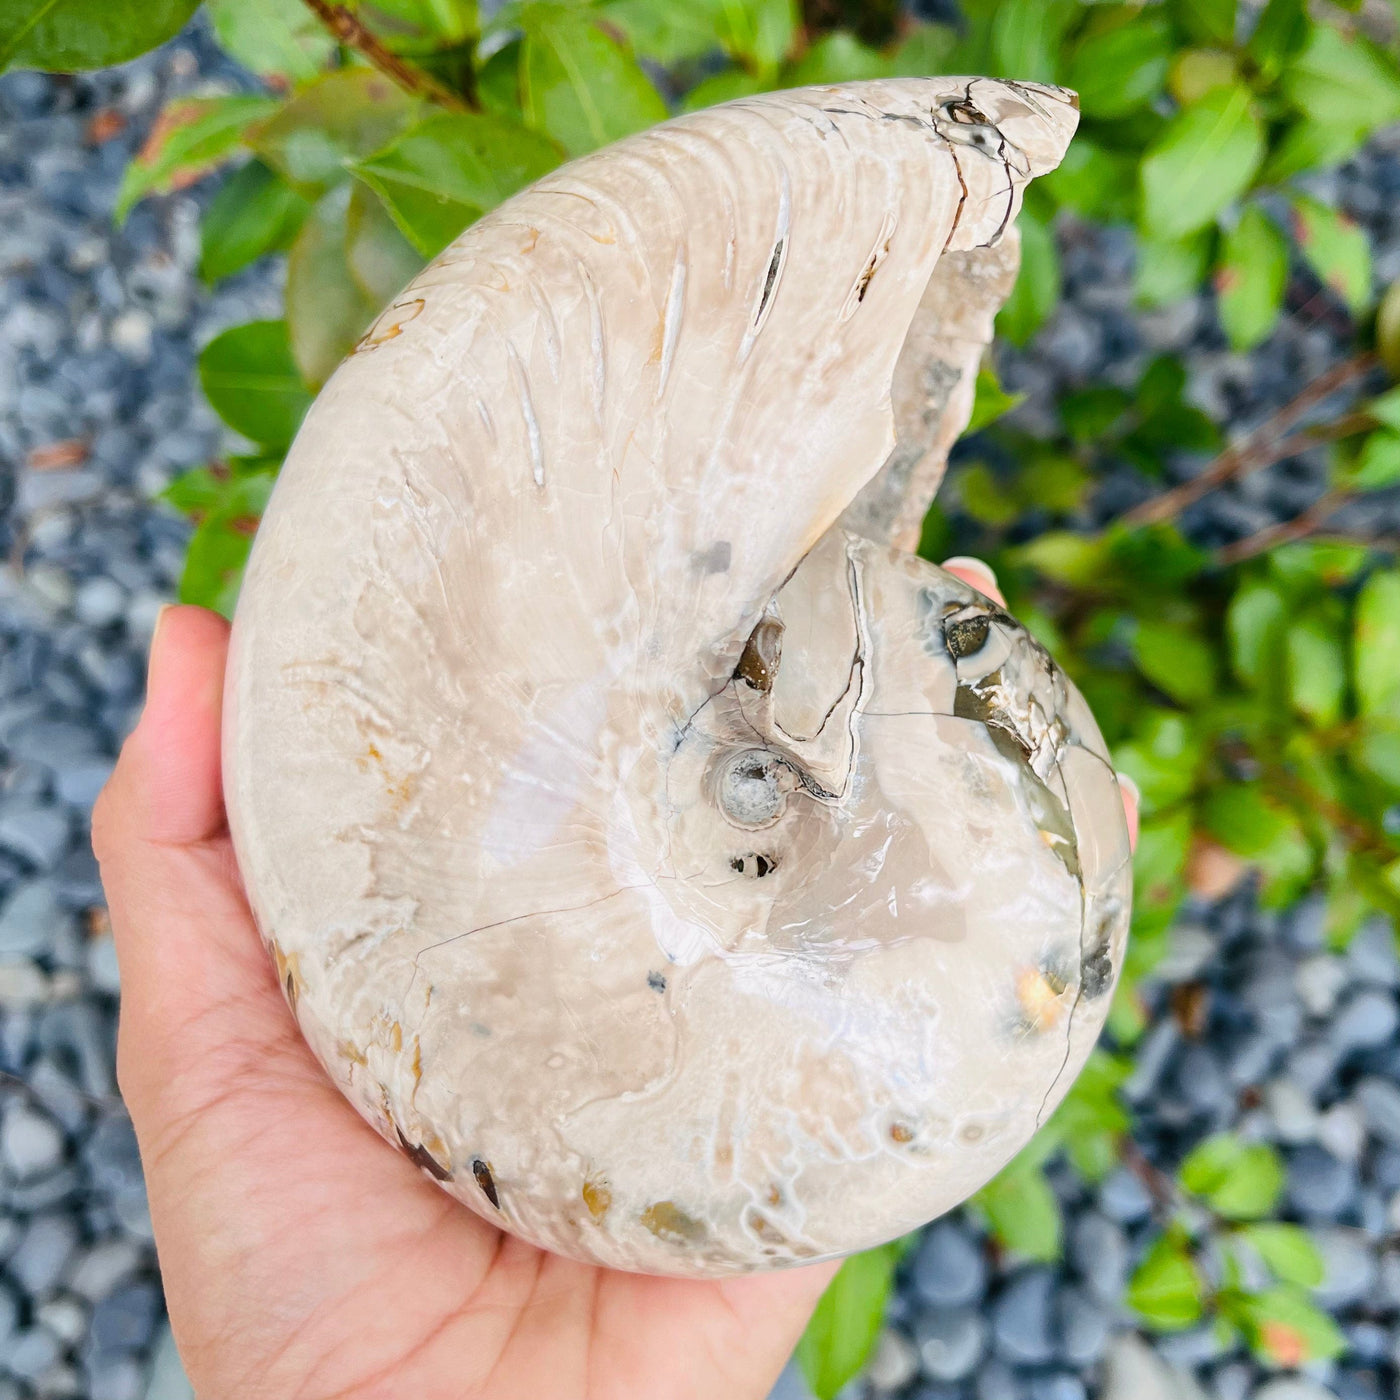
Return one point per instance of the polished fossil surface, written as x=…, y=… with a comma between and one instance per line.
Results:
x=674, y=866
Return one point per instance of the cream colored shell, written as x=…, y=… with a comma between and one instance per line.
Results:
x=691, y=883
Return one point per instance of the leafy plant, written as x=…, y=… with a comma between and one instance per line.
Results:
x=1252, y=692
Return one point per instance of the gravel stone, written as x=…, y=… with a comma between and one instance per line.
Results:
x=1122, y=1197
x=1379, y=1101
x=1371, y=955
x=1319, y=1186
x=43, y=1252
x=126, y=1319
x=168, y=1380
x=950, y=1268
x=31, y=1143
x=951, y=1343
x=1365, y=1021
x=1293, y=1388
x=894, y=1362
x=1319, y=981
x=1342, y=1131
x=30, y=920
x=31, y=1353
x=997, y=1381
x=1349, y=1267
x=1021, y=1318
x=35, y=831
x=1290, y=1111
x=1084, y=1327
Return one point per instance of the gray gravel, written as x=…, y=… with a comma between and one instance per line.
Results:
x=99, y=328
x=98, y=332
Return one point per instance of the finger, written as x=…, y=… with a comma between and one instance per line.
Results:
x=977, y=574
x=167, y=782
x=188, y=954
x=1132, y=800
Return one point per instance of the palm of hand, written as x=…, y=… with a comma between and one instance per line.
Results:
x=304, y=1259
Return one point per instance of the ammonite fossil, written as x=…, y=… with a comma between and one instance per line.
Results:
x=680, y=870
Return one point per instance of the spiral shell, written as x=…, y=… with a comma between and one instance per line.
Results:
x=686, y=875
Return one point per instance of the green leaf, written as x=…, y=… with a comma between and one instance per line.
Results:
x=446, y=171
x=251, y=381
x=1022, y=1212
x=578, y=85
x=838, y=57
x=254, y=212
x=327, y=309
x=1094, y=182
x=498, y=82
x=1119, y=70
x=667, y=32
x=214, y=562
x=924, y=49
x=1169, y=269
x=842, y=1331
x=1243, y=820
x=1166, y=1289
x=984, y=497
x=1342, y=81
x=1162, y=758
x=330, y=123
x=1175, y=660
x=1385, y=409
x=1206, y=21
x=1286, y=1330
x=1376, y=651
x=237, y=488
x=421, y=27
x=1317, y=670
x=1160, y=858
x=1027, y=36
x=191, y=137
x=1256, y=622
x=1065, y=556
x=1388, y=329
x=277, y=38
x=380, y=258
x=63, y=35
x=1335, y=248
x=1280, y=32
x=1037, y=286
x=1376, y=750
x=1288, y=1250
x=723, y=87
x=1239, y=1180
x=1195, y=72
x=1310, y=144
x=1378, y=464
x=1202, y=162
x=1251, y=277
x=990, y=400
x=760, y=33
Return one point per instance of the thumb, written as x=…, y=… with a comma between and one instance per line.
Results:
x=193, y=973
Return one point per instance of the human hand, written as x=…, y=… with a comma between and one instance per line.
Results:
x=304, y=1259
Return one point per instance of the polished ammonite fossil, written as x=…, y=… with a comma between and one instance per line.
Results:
x=671, y=863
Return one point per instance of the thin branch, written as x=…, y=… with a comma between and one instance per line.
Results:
x=1258, y=450
x=1316, y=515
x=351, y=32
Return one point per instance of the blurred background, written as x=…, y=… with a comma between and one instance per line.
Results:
x=1184, y=464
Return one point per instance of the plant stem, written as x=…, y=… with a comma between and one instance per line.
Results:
x=1261, y=448
x=351, y=32
x=1311, y=519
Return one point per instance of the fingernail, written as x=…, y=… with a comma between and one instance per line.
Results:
x=975, y=566
x=1124, y=781
x=153, y=654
